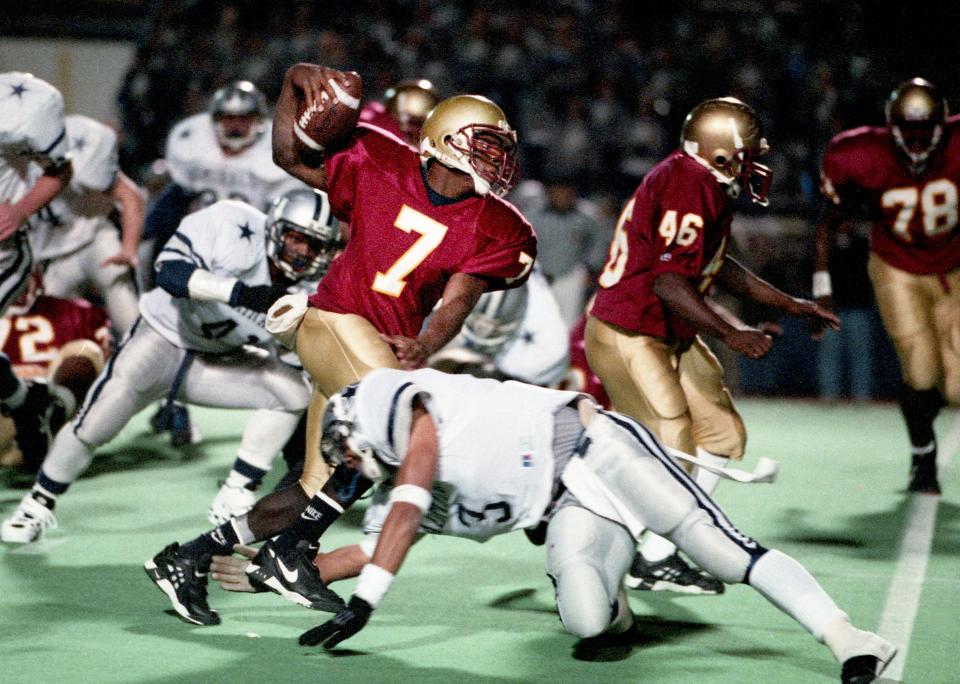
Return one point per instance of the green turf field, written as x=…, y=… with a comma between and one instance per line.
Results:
x=77, y=606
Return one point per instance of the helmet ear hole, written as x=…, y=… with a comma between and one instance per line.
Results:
x=721, y=160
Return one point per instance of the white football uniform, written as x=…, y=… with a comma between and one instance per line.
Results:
x=72, y=235
x=192, y=351
x=522, y=335
x=539, y=353
x=31, y=131
x=227, y=239
x=198, y=164
x=505, y=449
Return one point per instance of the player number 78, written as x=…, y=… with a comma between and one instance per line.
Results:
x=938, y=204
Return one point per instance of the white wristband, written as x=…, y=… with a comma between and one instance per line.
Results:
x=821, y=284
x=412, y=494
x=204, y=286
x=372, y=584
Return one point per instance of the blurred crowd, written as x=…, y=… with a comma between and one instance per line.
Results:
x=597, y=91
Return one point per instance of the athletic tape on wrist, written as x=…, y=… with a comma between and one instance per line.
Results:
x=822, y=286
x=412, y=494
x=373, y=583
x=204, y=286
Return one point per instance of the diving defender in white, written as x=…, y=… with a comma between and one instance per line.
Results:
x=462, y=456
x=216, y=278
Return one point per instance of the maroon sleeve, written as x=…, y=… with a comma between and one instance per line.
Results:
x=507, y=248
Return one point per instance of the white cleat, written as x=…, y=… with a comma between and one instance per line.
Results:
x=27, y=522
x=230, y=502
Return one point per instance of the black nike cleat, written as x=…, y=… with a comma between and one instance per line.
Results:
x=293, y=575
x=670, y=574
x=867, y=667
x=178, y=577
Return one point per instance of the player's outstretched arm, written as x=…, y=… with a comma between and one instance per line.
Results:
x=676, y=292
x=132, y=212
x=740, y=280
x=410, y=499
x=48, y=186
x=827, y=224
x=459, y=297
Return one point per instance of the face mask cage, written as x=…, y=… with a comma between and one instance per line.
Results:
x=296, y=266
x=490, y=152
x=917, y=141
x=755, y=178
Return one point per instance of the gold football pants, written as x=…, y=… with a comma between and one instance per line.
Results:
x=336, y=350
x=679, y=395
x=922, y=316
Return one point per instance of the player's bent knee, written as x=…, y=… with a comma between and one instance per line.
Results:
x=582, y=600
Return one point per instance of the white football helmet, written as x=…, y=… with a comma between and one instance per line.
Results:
x=495, y=320
x=305, y=212
x=471, y=134
x=239, y=113
x=341, y=437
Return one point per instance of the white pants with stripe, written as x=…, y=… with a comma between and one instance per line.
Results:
x=16, y=260
x=67, y=276
x=143, y=369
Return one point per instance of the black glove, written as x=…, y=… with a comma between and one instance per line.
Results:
x=343, y=625
x=257, y=297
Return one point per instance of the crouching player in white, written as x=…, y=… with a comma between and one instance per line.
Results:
x=515, y=334
x=74, y=237
x=462, y=456
x=217, y=277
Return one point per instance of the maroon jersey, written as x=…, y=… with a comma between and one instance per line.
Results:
x=33, y=339
x=376, y=114
x=403, y=248
x=677, y=221
x=580, y=378
x=914, y=217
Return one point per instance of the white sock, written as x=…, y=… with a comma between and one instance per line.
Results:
x=786, y=584
x=706, y=480
x=68, y=457
x=655, y=548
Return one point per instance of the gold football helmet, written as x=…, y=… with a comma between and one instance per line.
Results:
x=409, y=102
x=916, y=112
x=724, y=134
x=470, y=133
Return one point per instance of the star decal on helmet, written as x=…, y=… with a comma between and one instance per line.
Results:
x=245, y=232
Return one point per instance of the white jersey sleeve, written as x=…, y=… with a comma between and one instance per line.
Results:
x=496, y=467
x=93, y=149
x=31, y=117
x=539, y=352
x=227, y=239
x=71, y=219
x=198, y=164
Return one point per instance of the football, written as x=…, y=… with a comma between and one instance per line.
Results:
x=320, y=125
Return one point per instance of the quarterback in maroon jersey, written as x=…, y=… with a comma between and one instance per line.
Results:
x=905, y=176
x=62, y=341
x=423, y=226
x=642, y=335
x=404, y=109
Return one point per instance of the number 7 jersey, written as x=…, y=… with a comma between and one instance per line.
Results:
x=403, y=248
x=914, y=217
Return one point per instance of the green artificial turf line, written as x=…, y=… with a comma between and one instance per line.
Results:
x=81, y=607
